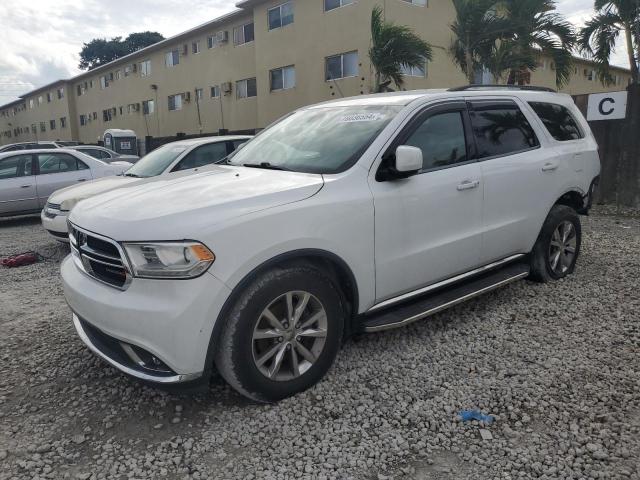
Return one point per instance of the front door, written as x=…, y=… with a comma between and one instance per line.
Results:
x=428, y=227
x=59, y=170
x=17, y=185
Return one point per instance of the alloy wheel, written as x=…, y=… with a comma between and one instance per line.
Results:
x=562, y=249
x=289, y=336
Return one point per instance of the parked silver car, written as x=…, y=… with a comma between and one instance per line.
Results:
x=105, y=154
x=27, y=178
x=14, y=147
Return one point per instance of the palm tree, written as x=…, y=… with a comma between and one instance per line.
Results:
x=476, y=30
x=599, y=35
x=534, y=31
x=392, y=48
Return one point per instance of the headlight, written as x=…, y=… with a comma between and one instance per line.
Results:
x=67, y=205
x=168, y=259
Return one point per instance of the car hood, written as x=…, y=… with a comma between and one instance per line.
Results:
x=84, y=190
x=177, y=208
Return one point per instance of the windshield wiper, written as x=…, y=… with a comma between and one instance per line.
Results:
x=266, y=166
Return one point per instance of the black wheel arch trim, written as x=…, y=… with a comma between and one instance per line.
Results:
x=300, y=254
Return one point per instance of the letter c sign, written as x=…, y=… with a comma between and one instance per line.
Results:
x=607, y=106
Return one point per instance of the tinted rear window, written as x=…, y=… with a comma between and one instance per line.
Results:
x=501, y=128
x=558, y=120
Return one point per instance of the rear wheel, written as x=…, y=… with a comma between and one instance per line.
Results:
x=282, y=335
x=557, y=248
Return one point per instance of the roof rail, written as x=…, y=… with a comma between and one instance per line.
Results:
x=506, y=87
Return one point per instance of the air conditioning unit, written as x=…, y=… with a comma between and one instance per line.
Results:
x=222, y=37
x=226, y=88
x=186, y=96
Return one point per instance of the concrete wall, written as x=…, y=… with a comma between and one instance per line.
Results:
x=314, y=35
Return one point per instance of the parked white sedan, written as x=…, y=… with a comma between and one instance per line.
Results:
x=28, y=178
x=181, y=156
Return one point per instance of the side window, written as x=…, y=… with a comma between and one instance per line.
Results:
x=104, y=155
x=16, y=166
x=95, y=153
x=500, y=128
x=203, y=155
x=441, y=139
x=558, y=121
x=56, y=163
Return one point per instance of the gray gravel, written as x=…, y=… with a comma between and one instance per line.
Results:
x=558, y=365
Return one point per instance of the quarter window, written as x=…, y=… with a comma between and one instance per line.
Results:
x=500, y=128
x=280, y=16
x=558, y=121
x=441, y=139
x=283, y=78
x=333, y=4
x=341, y=66
x=243, y=34
x=246, y=88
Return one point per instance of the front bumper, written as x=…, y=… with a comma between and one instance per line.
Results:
x=169, y=320
x=56, y=225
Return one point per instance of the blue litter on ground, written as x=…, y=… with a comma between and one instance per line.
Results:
x=468, y=415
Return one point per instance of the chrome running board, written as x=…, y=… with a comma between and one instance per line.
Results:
x=443, y=283
x=424, y=307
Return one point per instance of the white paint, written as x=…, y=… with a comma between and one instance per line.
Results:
x=607, y=106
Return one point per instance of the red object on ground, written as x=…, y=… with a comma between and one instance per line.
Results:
x=19, y=260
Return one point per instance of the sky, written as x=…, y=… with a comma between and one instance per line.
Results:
x=41, y=39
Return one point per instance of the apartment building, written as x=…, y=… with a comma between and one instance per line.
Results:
x=245, y=69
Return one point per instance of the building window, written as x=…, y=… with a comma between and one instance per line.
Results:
x=145, y=68
x=48, y=97
x=246, y=88
x=31, y=103
x=215, y=91
x=148, y=107
x=83, y=120
x=198, y=94
x=127, y=70
x=282, y=78
x=420, y=3
x=121, y=109
x=341, y=66
x=172, y=58
x=195, y=47
x=420, y=71
x=40, y=100
x=118, y=74
x=175, y=102
x=43, y=127
x=34, y=128
x=52, y=124
x=104, y=83
x=333, y=4
x=280, y=16
x=60, y=93
x=63, y=122
x=243, y=34
x=107, y=115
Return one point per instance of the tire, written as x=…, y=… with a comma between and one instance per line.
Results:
x=250, y=333
x=554, y=256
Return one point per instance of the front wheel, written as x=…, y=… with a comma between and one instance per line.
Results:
x=282, y=335
x=557, y=248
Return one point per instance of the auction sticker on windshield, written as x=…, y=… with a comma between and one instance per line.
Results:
x=361, y=117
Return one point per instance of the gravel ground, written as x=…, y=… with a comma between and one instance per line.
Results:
x=558, y=365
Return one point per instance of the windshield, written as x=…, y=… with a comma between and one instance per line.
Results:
x=318, y=140
x=156, y=162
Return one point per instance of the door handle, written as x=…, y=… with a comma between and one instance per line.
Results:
x=468, y=185
x=25, y=186
x=82, y=180
x=549, y=167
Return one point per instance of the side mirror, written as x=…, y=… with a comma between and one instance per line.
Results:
x=408, y=160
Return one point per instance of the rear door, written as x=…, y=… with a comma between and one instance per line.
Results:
x=58, y=170
x=517, y=186
x=18, y=191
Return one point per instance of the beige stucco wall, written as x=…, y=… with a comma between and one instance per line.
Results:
x=314, y=35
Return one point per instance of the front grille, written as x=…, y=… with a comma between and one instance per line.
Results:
x=99, y=257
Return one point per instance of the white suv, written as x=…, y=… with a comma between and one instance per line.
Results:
x=355, y=215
